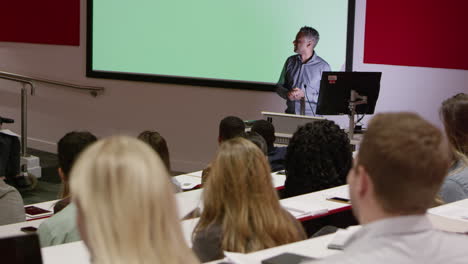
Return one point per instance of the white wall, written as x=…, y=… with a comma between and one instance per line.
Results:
x=187, y=116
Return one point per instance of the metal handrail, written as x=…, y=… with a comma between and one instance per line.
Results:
x=93, y=90
x=27, y=80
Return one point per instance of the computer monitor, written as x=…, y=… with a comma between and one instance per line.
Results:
x=335, y=92
x=22, y=249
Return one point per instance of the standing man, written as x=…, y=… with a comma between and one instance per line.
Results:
x=300, y=79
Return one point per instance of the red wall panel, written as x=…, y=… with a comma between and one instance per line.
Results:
x=46, y=21
x=426, y=33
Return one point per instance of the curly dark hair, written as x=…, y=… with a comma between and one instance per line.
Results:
x=318, y=157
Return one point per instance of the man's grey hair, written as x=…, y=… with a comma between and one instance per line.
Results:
x=310, y=33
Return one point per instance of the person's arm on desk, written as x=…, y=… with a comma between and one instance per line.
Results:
x=452, y=191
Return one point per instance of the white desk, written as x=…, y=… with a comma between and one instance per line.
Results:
x=314, y=247
x=15, y=229
x=317, y=203
x=187, y=229
x=76, y=252
x=451, y=217
x=188, y=201
x=70, y=253
x=193, y=180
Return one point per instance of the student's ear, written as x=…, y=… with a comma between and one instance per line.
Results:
x=61, y=174
x=219, y=140
x=362, y=181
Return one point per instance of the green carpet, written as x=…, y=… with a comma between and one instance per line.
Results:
x=49, y=185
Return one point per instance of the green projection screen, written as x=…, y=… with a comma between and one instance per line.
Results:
x=235, y=43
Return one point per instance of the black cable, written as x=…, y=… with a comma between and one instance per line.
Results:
x=312, y=109
x=359, y=119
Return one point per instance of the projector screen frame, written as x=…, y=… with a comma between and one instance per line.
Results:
x=200, y=81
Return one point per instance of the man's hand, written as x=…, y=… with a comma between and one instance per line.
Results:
x=299, y=93
x=295, y=94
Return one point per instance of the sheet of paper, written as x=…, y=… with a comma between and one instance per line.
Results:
x=196, y=173
x=451, y=211
x=188, y=182
x=239, y=258
x=340, y=192
x=278, y=180
x=300, y=209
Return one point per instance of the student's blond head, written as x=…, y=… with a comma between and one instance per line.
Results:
x=239, y=196
x=406, y=158
x=126, y=204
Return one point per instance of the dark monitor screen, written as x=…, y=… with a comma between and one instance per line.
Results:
x=23, y=249
x=335, y=92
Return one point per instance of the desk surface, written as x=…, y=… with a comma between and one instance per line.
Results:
x=314, y=247
x=15, y=229
x=189, y=200
x=70, y=253
x=186, y=200
x=451, y=217
x=193, y=180
x=317, y=202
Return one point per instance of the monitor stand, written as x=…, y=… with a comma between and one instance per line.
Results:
x=355, y=99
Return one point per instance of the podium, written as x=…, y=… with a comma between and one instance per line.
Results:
x=286, y=124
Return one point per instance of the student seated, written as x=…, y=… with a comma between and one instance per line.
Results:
x=241, y=211
x=258, y=140
x=276, y=155
x=318, y=157
x=158, y=143
x=229, y=127
x=9, y=154
x=61, y=228
x=126, y=206
x=454, y=113
x=400, y=166
x=11, y=204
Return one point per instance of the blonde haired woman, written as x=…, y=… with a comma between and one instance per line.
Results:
x=241, y=211
x=126, y=208
x=454, y=114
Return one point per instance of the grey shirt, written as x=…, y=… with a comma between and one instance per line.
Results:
x=402, y=240
x=11, y=205
x=455, y=185
x=305, y=76
x=207, y=244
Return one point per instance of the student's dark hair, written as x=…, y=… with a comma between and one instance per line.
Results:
x=69, y=148
x=266, y=130
x=231, y=127
x=318, y=157
x=258, y=140
x=158, y=143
